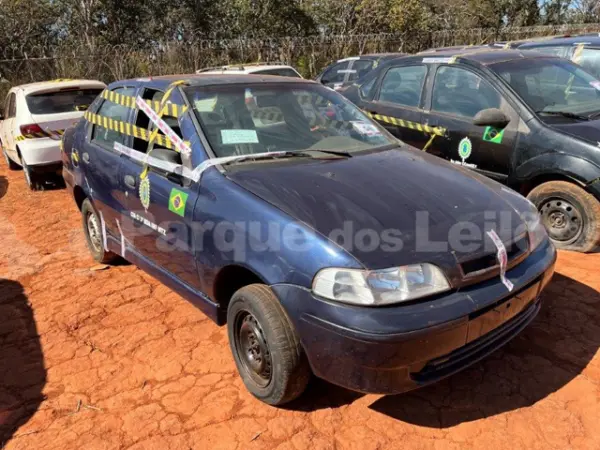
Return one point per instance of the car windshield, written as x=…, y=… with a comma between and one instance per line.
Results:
x=552, y=86
x=269, y=117
x=62, y=101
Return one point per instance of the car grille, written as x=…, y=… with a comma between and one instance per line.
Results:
x=474, y=351
x=516, y=252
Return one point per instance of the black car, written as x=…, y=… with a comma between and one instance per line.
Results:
x=347, y=70
x=584, y=50
x=529, y=120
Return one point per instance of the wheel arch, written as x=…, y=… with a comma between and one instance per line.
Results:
x=79, y=196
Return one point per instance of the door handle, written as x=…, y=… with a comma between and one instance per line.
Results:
x=130, y=181
x=86, y=158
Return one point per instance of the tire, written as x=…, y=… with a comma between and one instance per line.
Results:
x=571, y=215
x=256, y=309
x=31, y=178
x=93, y=234
x=9, y=162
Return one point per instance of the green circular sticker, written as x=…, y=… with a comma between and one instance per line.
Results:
x=464, y=148
x=145, y=192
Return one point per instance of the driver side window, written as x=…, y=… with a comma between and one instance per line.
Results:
x=403, y=85
x=460, y=92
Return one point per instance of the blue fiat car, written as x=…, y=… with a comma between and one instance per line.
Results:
x=326, y=245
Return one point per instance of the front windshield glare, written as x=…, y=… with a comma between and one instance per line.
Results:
x=552, y=85
x=269, y=117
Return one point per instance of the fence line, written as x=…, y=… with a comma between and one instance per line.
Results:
x=309, y=54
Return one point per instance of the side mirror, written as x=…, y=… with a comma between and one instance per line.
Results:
x=491, y=117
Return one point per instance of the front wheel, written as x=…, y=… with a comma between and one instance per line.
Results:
x=570, y=214
x=265, y=346
x=92, y=227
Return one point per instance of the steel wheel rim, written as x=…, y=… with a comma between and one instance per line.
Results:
x=562, y=219
x=252, y=349
x=93, y=228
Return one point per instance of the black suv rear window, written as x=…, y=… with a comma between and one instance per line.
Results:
x=62, y=101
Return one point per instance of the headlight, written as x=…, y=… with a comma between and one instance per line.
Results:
x=380, y=287
x=535, y=229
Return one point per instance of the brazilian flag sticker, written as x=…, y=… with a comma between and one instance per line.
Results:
x=494, y=135
x=177, y=201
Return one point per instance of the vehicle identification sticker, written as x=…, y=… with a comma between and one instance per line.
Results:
x=177, y=201
x=368, y=129
x=145, y=192
x=464, y=148
x=494, y=135
x=239, y=137
x=502, y=257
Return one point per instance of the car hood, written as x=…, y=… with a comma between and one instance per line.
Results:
x=404, y=190
x=586, y=131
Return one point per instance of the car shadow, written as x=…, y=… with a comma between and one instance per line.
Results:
x=552, y=351
x=22, y=371
x=3, y=186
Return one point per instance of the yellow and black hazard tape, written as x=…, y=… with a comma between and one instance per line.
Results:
x=128, y=129
x=43, y=134
x=437, y=131
x=129, y=102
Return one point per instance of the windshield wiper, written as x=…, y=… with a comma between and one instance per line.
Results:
x=261, y=156
x=568, y=114
x=593, y=115
x=329, y=152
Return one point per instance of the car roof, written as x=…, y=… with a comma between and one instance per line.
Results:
x=210, y=79
x=574, y=40
x=58, y=84
x=479, y=55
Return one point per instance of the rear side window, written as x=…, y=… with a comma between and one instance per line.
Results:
x=104, y=136
x=336, y=73
x=403, y=85
x=360, y=68
x=590, y=61
x=280, y=73
x=460, y=92
x=62, y=101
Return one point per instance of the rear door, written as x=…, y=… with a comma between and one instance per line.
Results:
x=57, y=109
x=458, y=94
x=100, y=163
x=8, y=126
x=159, y=226
x=397, y=103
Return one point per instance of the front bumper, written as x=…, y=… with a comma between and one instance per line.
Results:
x=40, y=152
x=394, y=349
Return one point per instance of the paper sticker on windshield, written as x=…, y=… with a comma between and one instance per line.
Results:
x=233, y=137
x=367, y=129
x=502, y=257
x=595, y=84
x=494, y=135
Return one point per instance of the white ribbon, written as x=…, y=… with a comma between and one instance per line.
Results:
x=180, y=145
x=502, y=258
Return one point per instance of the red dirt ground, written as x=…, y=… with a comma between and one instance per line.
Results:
x=112, y=359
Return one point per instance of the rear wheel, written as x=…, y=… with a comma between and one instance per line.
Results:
x=265, y=346
x=31, y=178
x=92, y=227
x=570, y=214
x=9, y=162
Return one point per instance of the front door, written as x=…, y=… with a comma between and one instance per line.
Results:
x=159, y=227
x=458, y=95
x=397, y=103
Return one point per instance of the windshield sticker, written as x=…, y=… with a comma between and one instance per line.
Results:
x=367, y=129
x=595, y=84
x=502, y=258
x=177, y=201
x=439, y=60
x=145, y=192
x=232, y=137
x=494, y=135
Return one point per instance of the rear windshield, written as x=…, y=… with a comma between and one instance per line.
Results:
x=63, y=101
x=242, y=119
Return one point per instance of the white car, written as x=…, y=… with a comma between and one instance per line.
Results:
x=34, y=120
x=254, y=69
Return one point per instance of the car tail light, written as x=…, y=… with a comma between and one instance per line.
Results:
x=32, y=129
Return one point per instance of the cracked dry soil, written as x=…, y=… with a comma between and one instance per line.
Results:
x=112, y=359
